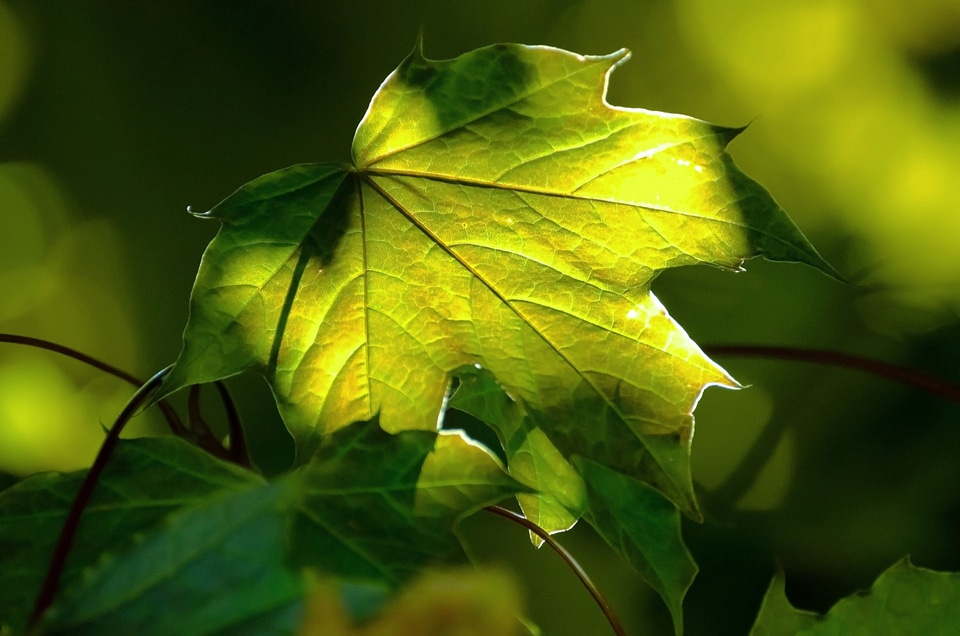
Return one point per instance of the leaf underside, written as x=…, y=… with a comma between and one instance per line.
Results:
x=497, y=214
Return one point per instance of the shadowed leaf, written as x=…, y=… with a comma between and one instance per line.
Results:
x=146, y=480
x=382, y=506
x=904, y=600
x=644, y=528
x=212, y=569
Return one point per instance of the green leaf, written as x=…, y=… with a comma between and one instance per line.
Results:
x=560, y=496
x=371, y=507
x=904, y=600
x=215, y=568
x=145, y=481
x=632, y=517
x=500, y=213
x=381, y=506
x=644, y=528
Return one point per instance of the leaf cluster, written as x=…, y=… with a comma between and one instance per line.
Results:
x=490, y=248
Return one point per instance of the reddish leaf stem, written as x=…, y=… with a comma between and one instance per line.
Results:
x=237, y=453
x=198, y=425
x=568, y=559
x=910, y=377
x=238, y=444
x=69, y=530
x=238, y=448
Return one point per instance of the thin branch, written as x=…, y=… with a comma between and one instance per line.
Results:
x=568, y=559
x=173, y=420
x=69, y=530
x=205, y=436
x=910, y=377
x=238, y=444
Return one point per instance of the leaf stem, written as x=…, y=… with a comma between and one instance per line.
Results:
x=198, y=425
x=946, y=390
x=238, y=448
x=238, y=444
x=173, y=420
x=568, y=559
x=69, y=530
x=237, y=452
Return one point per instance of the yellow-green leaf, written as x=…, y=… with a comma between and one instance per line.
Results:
x=498, y=212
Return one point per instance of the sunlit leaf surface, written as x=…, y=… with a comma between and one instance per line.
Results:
x=498, y=214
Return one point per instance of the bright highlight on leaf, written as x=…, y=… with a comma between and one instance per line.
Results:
x=498, y=214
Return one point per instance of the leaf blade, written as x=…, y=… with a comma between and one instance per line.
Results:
x=134, y=494
x=174, y=581
x=380, y=506
x=500, y=213
x=904, y=599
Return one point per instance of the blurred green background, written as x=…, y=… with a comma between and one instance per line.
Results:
x=114, y=117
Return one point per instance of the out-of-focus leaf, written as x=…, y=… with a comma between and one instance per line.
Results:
x=904, y=600
x=145, y=481
x=218, y=568
x=381, y=506
x=462, y=602
x=498, y=212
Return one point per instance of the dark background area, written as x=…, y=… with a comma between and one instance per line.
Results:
x=114, y=117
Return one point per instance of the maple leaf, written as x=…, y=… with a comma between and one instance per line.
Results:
x=498, y=213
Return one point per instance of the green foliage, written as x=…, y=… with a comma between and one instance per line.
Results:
x=377, y=506
x=498, y=213
x=147, y=480
x=186, y=530
x=904, y=600
x=220, y=566
x=496, y=234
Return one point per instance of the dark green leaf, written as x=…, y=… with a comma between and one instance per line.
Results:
x=378, y=506
x=644, y=528
x=560, y=496
x=631, y=516
x=218, y=568
x=145, y=481
x=904, y=600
